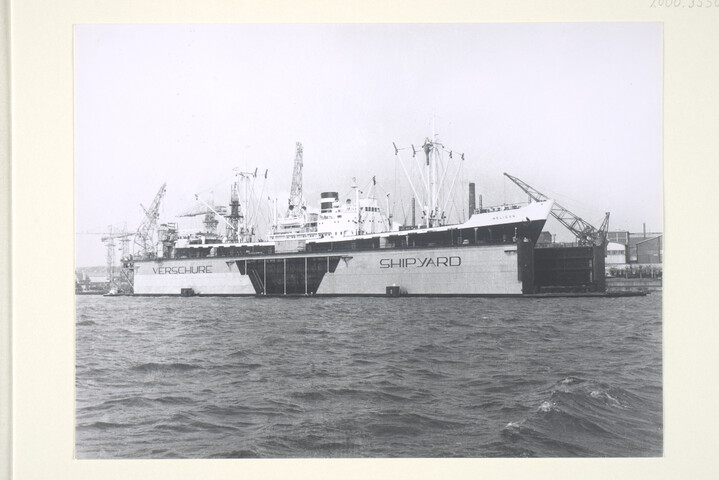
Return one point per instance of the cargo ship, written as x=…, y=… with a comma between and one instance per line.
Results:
x=351, y=247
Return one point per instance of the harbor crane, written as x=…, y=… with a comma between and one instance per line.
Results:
x=295, y=202
x=585, y=233
x=237, y=228
x=108, y=239
x=210, y=212
x=145, y=243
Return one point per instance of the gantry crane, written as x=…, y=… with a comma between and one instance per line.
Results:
x=585, y=233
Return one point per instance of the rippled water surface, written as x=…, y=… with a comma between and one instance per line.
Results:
x=368, y=377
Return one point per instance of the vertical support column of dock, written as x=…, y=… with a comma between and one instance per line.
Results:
x=525, y=264
x=305, y=275
x=284, y=275
x=264, y=276
x=598, y=267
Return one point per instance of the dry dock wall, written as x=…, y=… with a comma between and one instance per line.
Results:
x=481, y=270
x=569, y=269
x=205, y=276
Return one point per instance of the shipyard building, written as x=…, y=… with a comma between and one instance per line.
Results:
x=645, y=248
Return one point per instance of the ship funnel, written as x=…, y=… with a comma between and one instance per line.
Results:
x=472, y=197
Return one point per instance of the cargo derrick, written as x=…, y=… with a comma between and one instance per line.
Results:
x=432, y=175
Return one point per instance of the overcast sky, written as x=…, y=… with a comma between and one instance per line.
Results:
x=575, y=110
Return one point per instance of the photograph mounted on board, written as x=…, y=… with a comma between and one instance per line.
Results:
x=368, y=240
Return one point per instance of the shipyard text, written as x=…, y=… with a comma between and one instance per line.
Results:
x=420, y=262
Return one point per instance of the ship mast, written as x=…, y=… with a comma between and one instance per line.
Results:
x=240, y=230
x=432, y=177
x=435, y=186
x=235, y=216
x=431, y=153
x=355, y=187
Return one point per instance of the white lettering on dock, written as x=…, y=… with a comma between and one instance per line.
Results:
x=182, y=270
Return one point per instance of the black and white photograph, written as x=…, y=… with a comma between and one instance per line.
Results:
x=368, y=240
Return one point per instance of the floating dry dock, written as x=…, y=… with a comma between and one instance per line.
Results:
x=350, y=247
x=392, y=267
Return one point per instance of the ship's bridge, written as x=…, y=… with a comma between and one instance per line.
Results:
x=341, y=219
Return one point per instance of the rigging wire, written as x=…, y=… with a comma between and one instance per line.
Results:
x=465, y=194
x=504, y=196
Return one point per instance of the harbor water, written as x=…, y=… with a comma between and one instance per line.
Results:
x=228, y=377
